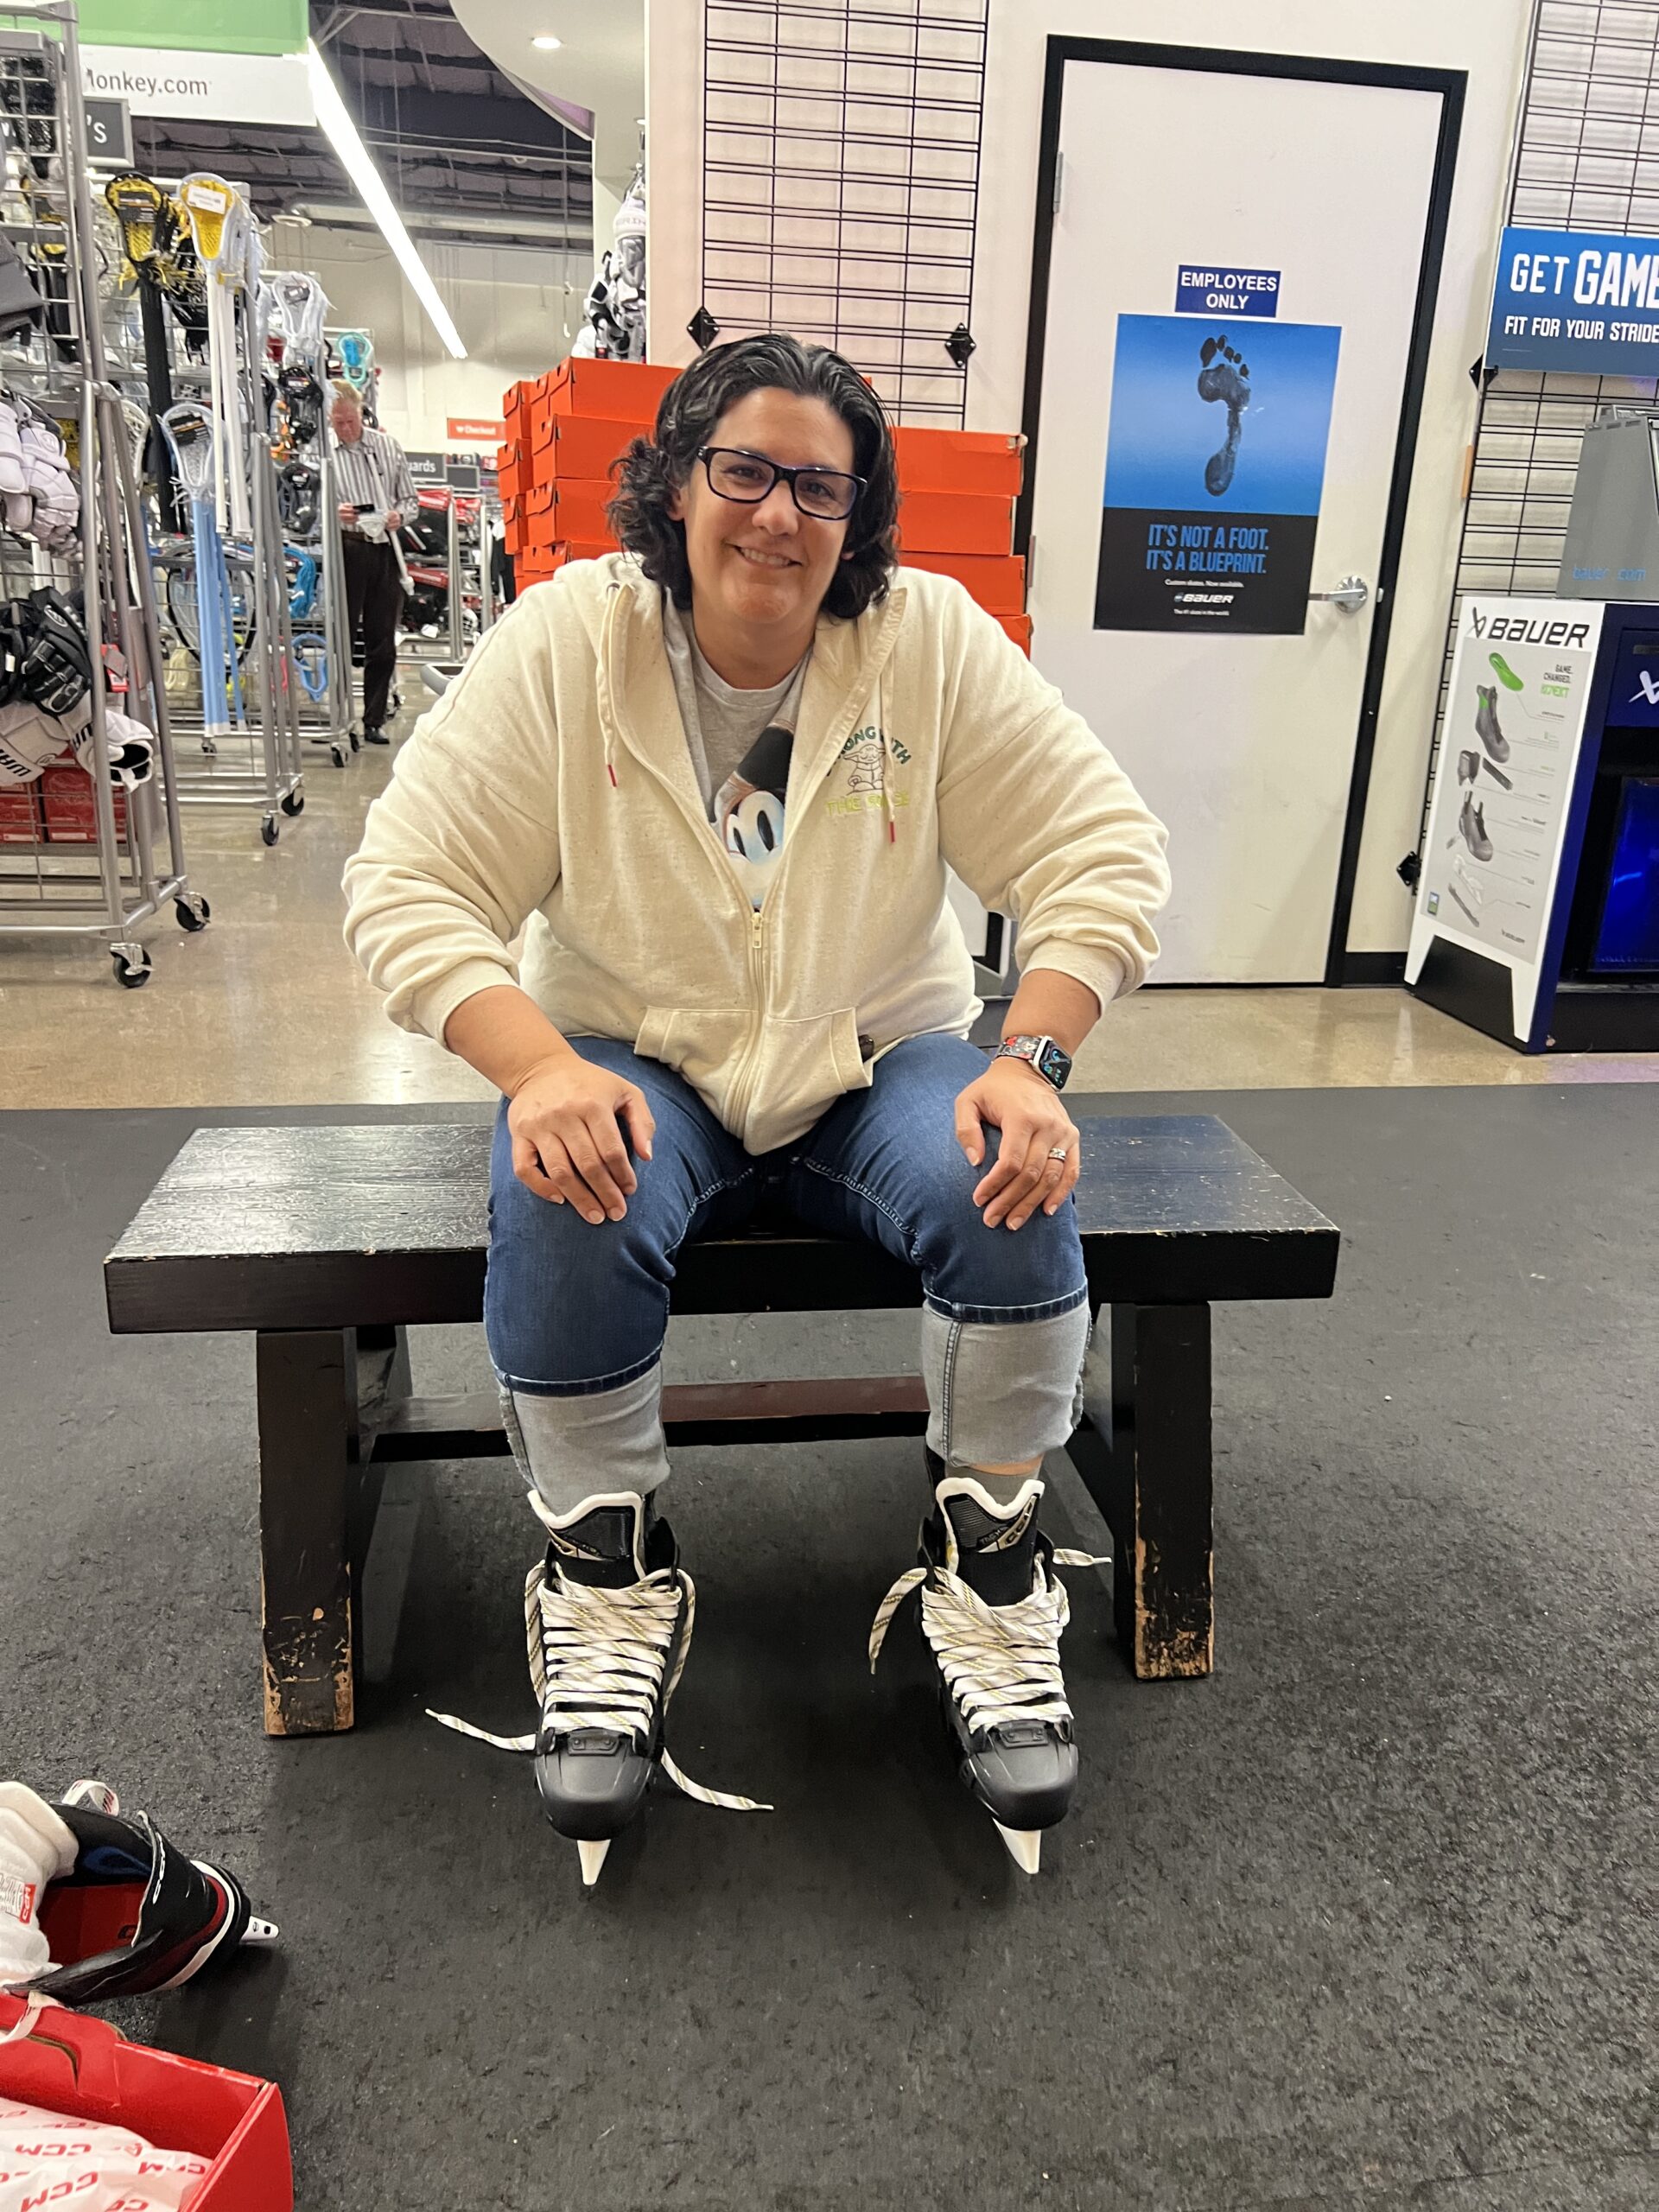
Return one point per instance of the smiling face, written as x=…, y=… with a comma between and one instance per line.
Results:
x=765, y=569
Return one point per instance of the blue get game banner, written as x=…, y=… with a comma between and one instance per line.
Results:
x=1582, y=300
x=1214, y=467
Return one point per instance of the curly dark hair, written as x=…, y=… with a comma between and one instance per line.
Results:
x=654, y=469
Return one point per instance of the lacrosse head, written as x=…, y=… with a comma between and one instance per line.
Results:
x=188, y=429
x=209, y=206
x=137, y=203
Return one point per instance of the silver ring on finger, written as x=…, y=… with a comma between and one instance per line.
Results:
x=1061, y=1153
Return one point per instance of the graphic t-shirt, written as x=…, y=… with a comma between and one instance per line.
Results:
x=741, y=745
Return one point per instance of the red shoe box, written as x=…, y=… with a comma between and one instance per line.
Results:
x=69, y=805
x=956, y=522
x=576, y=445
x=960, y=461
x=70, y=2064
x=512, y=470
x=20, y=815
x=625, y=391
x=556, y=512
x=998, y=583
x=1019, y=628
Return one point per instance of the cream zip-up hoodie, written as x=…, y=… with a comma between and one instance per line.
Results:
x=552, y=783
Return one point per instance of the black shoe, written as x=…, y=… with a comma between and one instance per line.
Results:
x=991, y=1614
x=608, y=1616
x=376, y=737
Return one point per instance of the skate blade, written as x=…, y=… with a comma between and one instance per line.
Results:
x=260, y=1931
x=1025, y=1845
x=593, y=1857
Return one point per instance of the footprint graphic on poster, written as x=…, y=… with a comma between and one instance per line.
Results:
x=1225, y=376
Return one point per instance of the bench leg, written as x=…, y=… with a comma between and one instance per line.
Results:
x=1152, y=1482
x=308, y=1479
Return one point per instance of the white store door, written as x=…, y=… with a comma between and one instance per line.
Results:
x=1233, y=289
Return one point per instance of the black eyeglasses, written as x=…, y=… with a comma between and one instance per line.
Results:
x=826, y=494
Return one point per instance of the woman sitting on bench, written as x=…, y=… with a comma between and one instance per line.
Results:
x=721, y=775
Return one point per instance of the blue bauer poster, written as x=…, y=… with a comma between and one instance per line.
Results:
x=1215, y=465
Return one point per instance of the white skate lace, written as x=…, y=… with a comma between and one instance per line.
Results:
x=1000, y=1662
x=596, y=1661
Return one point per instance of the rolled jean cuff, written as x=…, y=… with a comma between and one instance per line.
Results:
x=1002, y=1393
x=590, y=1386
x=570, y=1449
x=1047, y=1309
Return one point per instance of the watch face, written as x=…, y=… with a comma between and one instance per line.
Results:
x=1055, y=1063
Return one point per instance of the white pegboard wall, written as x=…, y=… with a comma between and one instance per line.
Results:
x=841, y=181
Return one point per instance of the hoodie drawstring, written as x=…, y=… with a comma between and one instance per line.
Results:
x=881, y=743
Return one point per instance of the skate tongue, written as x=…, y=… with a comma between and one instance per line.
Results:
x=996, y=1545
x=609, y=1544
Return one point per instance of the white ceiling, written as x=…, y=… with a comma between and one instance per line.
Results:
x=600, y=65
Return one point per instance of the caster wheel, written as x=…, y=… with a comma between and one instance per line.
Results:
x=357, y=742
x=337, y=754
x=193, y=913
x=131, y=974
x=268, y=828
x=294, y=803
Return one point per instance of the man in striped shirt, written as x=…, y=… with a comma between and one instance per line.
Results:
x=371, y=477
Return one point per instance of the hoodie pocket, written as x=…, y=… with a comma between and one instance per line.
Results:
x=790, y=1067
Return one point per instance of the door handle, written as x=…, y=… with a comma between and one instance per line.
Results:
x=1351, y=595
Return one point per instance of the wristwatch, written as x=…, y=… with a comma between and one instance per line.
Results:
x=1051, y=1060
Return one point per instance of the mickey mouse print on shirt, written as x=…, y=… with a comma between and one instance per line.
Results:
x=749, y=810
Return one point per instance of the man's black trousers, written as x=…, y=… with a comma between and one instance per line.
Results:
x=374, y=600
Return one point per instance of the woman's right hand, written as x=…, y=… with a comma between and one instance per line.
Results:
x=565, y=1120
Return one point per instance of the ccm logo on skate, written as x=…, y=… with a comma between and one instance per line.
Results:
x=1528, y=629
x=1008, y=1538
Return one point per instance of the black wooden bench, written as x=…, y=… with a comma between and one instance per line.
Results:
x=329, y=1242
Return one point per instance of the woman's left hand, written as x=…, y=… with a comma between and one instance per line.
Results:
x=1025, y=1106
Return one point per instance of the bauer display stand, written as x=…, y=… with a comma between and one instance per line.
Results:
x=66, y=2062
x=1537, y=917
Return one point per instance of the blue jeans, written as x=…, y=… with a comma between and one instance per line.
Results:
x=577, y=1311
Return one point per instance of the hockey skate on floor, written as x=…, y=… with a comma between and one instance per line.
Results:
x=993, y=1610
x=607, y=1617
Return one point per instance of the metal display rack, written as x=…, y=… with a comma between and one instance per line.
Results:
x=104, y=883
x=259, y=762
x=840, y=152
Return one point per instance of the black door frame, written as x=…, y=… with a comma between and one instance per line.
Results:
x=1450, y=85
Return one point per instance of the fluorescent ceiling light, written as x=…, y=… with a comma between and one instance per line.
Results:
x=547, y=43
x=355, y=159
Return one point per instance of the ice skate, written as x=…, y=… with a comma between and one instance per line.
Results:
x=1486, y=728
x=1471, y=828
x=607, y=1617
x=993, y=1610
x=132, y=1913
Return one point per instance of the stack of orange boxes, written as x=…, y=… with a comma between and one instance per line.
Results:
x=565, y=429
x=563, y=432
x=957, y=515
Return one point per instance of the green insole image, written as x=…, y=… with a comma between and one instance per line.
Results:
x=1505, y=674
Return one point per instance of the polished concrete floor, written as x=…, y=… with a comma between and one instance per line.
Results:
x=266, y=1008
